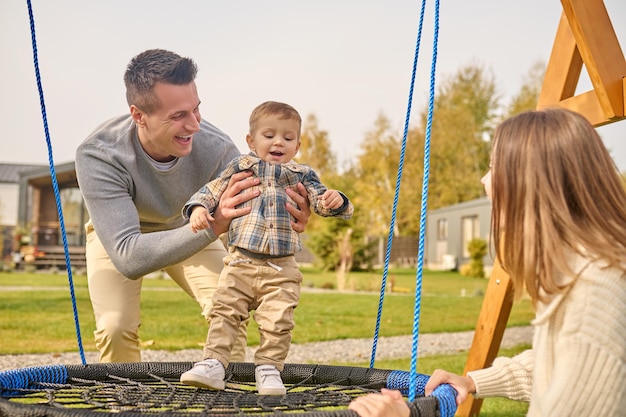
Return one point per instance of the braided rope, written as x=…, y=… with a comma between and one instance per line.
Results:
x=55, y=185
x=424, y=202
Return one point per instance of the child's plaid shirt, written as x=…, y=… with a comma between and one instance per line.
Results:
x=267, y=229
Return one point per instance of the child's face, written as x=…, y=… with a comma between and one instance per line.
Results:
x=275, y=140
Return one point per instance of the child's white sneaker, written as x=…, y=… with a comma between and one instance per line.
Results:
x=268, y=380
x=208, y=373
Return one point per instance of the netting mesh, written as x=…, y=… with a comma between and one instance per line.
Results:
x=153, y=388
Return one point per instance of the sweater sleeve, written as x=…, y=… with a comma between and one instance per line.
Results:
x=135, y=211
x=507, y=377
x=209, y=195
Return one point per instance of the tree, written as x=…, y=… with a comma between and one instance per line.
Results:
x=376, y=170
x=464, y=116
x=327, y=237
x=316, y=152
x=315, y=149
x=328, y=243
x=466, y=110
x=345, y=250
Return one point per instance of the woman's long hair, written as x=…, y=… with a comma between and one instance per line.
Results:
x=555, y=191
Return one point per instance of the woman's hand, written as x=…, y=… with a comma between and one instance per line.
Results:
x=389, y=403
x=463, y=385
x=231, y=198
x=303, y=211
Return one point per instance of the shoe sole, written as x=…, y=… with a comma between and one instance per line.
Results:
x=272, y=391
x=208, y=383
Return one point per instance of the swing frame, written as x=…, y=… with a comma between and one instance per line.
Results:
x=585, y=35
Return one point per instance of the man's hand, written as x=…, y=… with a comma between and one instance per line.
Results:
x=303, y=211
x=231, y=198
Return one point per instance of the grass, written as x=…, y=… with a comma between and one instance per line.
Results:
x=40, y=319
x=36, y=316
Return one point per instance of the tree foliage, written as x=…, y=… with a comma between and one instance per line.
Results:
x=315, y=149
x=464, y=117
x=466, y=110
x=326, y=236
x=376, y=169
x=465, y=113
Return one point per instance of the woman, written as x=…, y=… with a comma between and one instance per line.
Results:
x=559, y=229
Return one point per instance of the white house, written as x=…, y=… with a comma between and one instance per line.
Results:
x=449, y=229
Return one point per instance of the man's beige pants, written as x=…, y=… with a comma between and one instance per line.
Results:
x=116, y=299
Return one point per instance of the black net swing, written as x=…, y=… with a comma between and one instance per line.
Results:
x=153, y=388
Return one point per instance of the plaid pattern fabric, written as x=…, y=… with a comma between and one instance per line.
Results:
x=267, y=229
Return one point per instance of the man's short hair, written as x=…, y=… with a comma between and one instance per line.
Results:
x=151, y=67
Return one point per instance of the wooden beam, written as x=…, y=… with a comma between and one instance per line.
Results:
x=600, y=50
x=492, y=321
x=588, y=104
x=564, y=68
x=585, y=36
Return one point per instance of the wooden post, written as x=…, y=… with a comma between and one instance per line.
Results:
x=585, y=36
x=492, y=321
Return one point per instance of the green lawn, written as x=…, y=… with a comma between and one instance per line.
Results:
x=36, y=316
x=39, y=318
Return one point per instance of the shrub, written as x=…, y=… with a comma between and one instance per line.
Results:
x=477, y=249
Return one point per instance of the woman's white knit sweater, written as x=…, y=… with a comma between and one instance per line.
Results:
x=577, y=366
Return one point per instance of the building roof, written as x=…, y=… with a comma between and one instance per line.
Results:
x=470, y=204
x=10, y=173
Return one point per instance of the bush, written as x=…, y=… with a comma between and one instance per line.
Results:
x=477, y=249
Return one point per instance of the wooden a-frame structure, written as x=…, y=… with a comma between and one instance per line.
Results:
x=585, y=36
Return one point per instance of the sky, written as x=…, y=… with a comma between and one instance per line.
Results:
x=344, y=61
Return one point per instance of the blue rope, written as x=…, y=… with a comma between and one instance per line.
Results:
x=445, y=393
x=13, y=382
x=397, y=192
x=55, y=185
x=420, y=257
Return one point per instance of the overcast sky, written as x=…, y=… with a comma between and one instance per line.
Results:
x=346, y=61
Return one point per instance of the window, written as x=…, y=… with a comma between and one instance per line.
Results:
x=74, y=215
x=442, y=229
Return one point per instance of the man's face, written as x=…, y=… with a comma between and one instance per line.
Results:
x=167, y=133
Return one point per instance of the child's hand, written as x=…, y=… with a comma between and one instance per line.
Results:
x=199, y=219
x=332, y=199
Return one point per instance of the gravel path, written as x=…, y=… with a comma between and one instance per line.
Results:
x=343, y=351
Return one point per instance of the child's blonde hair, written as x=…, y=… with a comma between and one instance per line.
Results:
x=269, y=108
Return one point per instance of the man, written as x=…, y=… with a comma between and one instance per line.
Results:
x=135, y=173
